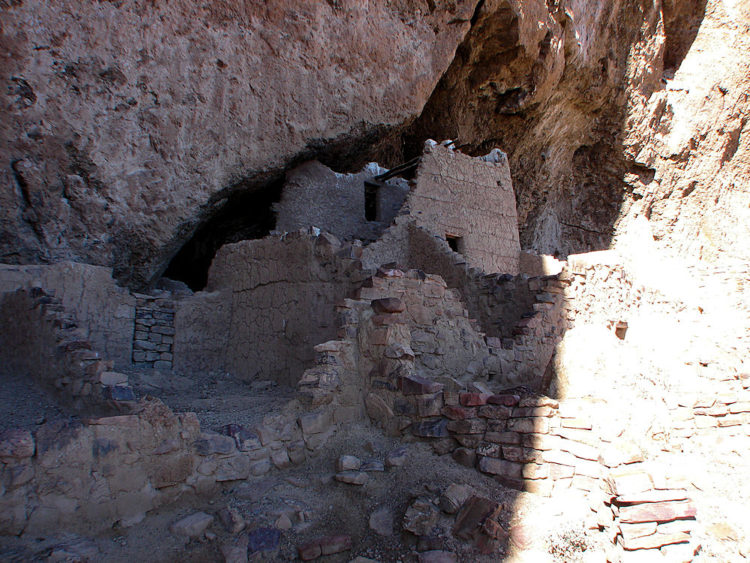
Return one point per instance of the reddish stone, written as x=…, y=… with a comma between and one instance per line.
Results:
x=494, y=530
x=309, y=551
x=473, y=515
x=504, y=399
x=512, y=438
x=654, y=541
x=335, y=544
x=458, y=413
x=474, y=399
x=656, y=512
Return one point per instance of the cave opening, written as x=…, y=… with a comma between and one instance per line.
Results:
x=246, y=214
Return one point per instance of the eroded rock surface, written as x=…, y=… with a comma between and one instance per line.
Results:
x=123, y=122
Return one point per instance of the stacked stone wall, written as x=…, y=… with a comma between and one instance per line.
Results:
x=153, y=337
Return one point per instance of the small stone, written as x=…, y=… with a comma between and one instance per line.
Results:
x=431, y=428
x=192, y=526
x=396, y=458
x=372, y=465
x=381, y=521
x=420, y=517
x=415, y=385
x=473, y=399
x=231, y=519
x=473, y=514
x=454, y=497
x=335, y=544
x=388, y=305
x=118, y=393
x=348, y=463
x=113, y=378
x=210, y=443
x=284, y=522
x=235, y=550
x=352, y=477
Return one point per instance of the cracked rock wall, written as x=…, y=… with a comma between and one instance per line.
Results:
x=124, y=121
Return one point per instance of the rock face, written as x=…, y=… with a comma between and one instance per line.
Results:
x=126, y=124
x=608, y=111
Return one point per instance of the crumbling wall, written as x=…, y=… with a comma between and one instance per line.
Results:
x=274, y=300
x=471, y=199
x=139, y=461
x=104, y=311
x=315, y=195
x=41, y=339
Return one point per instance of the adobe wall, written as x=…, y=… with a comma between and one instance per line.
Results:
x=103, y=310
x=471, y=198
x=268, y=302
x=315, y=195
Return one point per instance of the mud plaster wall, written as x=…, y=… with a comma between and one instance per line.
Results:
x=269, y=302
x=315, y=195
x=462, y=196
x=104, y=311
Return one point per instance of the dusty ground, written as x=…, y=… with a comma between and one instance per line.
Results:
x=24, y=405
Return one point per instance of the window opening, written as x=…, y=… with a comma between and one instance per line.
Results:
x=455, y=242
x=371, y=200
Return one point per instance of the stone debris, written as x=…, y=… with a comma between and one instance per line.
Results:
x=397, y=457
x=420, y=518
x=192, y=526
x=348, y=463
x=231, y=519
x=284, y=523
x=381, y=521
x=352, y=477
x=454, y=497
x=327, y=545
x=372, y=465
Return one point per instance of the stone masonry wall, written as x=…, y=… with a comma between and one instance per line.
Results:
x=104, y=311
x=277, y=297
x=315, y=195
x=153, y=337
x=91, y=474
x=472, y=199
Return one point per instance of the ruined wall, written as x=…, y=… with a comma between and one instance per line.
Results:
x=274, y=300
x=465, y=197
x=90, y=475
x=103, y=310
x=40, y=339
x=315, y=195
